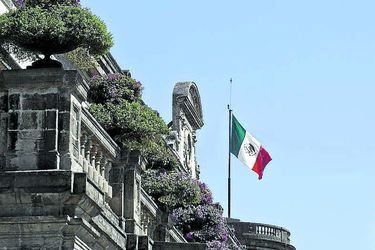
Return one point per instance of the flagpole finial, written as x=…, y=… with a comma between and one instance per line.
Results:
x=230, y=93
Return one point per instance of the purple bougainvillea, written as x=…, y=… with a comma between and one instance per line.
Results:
x=206, y=197
x=19, y=2
x=113, y=88
x=171, y=190
x=202, y=223
x=191, y=203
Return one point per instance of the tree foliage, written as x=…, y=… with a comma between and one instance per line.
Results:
x=114, y=88
x=52, y=27
x=172, y=190
x=82, y=59
x=118, y=107
x=190, y=202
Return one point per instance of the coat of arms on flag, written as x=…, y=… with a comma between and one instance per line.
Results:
x=248, y=149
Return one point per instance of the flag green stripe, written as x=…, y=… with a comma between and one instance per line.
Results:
x=237, y=136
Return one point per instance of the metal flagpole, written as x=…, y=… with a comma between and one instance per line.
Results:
x=229, y=138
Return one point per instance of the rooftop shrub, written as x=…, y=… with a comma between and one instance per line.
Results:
x=53, y=27
x=117, y=105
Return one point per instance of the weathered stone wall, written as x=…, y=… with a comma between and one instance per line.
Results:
x=39, y=111
x=46, y=201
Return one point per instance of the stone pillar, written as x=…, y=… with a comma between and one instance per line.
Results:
x=116, y=180
x=3, y=127
x=40, y=118
x=125, y=180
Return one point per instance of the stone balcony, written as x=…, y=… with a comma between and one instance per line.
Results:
x=55, y=161
x=61, y=171
x=256, y=236
x=45, y=125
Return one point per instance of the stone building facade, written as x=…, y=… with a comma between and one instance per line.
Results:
x=65, y=184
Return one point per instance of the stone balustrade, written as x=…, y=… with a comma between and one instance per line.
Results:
x=269, y=232
x=260, y=236
x=97, y=152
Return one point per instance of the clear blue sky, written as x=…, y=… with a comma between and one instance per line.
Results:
x=304, y=79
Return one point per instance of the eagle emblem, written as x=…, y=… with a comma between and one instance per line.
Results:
x=250, y=149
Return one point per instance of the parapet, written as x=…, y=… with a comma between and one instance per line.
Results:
x=256, y=236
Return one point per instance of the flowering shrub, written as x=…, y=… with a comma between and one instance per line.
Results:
x=82, y=59
x=206, y=195
x=118, y=107
x=172, y=190
x=53, y=27
x=113, y=88
x=202, y=223
x=190, y=201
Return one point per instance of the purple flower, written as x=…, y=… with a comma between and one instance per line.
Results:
x=19, y=2
x=224, y=237
x=189, y=236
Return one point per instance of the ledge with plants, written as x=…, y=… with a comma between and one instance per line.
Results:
x=116, y=102
x=191, y=205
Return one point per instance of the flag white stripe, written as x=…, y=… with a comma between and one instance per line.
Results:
x=248, y=154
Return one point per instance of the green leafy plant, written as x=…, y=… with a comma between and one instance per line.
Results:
x=172, y=190
x=53, y=27
x=82, y=59
x=117, y=105
x=191, y=205
x=114, y=88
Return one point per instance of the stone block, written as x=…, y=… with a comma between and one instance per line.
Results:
x=144, y=243
x=38, y=101
x=3, y=133
x=13, y=120
x=64, y=101
x=64, y=142
x=79, y=184
x=3, y=102
x=48, y=142
x=49, y=120
x=116, y=175
x=23, y=161
x=28, y=120
x=64, y=121
x=48, y=160
x=14, y=101
x=117, y=201
x=12, y=140
x=132, y=242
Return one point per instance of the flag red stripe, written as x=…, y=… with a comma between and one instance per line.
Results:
x=261, y=162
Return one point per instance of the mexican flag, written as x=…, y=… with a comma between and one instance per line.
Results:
x=247, y=149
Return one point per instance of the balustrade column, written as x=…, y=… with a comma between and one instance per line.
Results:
x=82, y=147
x=101, y=169
x=106, y=174
x=91, y=160
x=98, y=159
x=87, y=151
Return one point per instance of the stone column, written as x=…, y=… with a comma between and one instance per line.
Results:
x=42, y=109
x=125, y=180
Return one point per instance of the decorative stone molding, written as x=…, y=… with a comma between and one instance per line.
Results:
x=187, y=117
